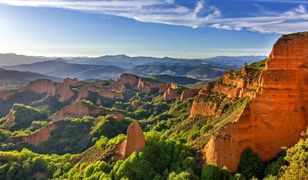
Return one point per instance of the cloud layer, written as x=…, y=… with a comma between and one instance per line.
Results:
x=168, y=12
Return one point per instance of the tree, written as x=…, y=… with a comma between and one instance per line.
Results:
x=210, y=172
x=250, y=164
x=297, y=157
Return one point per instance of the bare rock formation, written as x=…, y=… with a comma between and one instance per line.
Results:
x=135, y=140
x=151, y=86
x=125, y=79
x=110, y=94
x=41, y=86
x=83, y=92
x=64, y=89
x=118, y=116
x=173, y=86
x=5, y=94
x=232, y=86
x=204, y=108
x=10, y=118
x=189, y=93
x=40, y=136
x=278, y=113
x=76, y=109
x=171, y=94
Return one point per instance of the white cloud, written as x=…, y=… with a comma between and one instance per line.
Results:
x=290, y=21
x=155, y=11
x=168, y=12
x=284, y=1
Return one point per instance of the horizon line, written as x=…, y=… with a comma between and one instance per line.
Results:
x=122, y=54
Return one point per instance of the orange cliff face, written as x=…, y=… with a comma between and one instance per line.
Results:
x=42, y=86
x=39, y=86
x=64, y=89
x=147, y=87
x=135, y=140
x=39, y=136
x=233, y=86
x=171, y=94
x=276, y=116
x=76, y=110
x=125, y=79
x=188, y=94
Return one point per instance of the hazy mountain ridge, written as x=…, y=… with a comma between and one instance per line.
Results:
x=62, y=69
x=109, y=67
x=11, y=79
x=11, y=59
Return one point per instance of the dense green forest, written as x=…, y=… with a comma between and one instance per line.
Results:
x=161, y=159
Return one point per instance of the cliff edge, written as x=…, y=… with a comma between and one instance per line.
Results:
x=277, y=114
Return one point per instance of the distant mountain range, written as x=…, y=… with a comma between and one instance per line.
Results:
x=62, y=69
x=10, y=79
x=109, y=67
x=15, y=59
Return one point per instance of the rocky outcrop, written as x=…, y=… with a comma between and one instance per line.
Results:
x=45, y=86
x=171, y=94
x=41, y=86
x=64, y=89
x=111, y=94
x=39, y=136
x=125, y=79
x=189, y=93
x=134, y=142
x=76, y=109
x=173, y=86
x=83, y=92
x=118, y=116
x=204, y=107
x=10, y=118
x=277, y=115
x=5, y=94
x=149, y=86
x=233, y=85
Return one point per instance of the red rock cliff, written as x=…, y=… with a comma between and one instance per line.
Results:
x=41, y=86
x=147, y=86
x=277, y=115
x=171, y=94
x=135, y=140
x=64, y=89
x=76, y=109
x=125, y=79
x=189, y=93
x=39, y=136
x=232, y=86
x=83, y=92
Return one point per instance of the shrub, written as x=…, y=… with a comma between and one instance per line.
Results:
x=116, y=140
x=110, y=127
x=102, y=142
x=250, y=164
x=210, y=172
x=297, y=157
x=274, y=167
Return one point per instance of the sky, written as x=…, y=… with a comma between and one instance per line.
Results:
x=159, y=28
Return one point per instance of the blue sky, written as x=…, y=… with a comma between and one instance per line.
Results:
x=174, y=28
